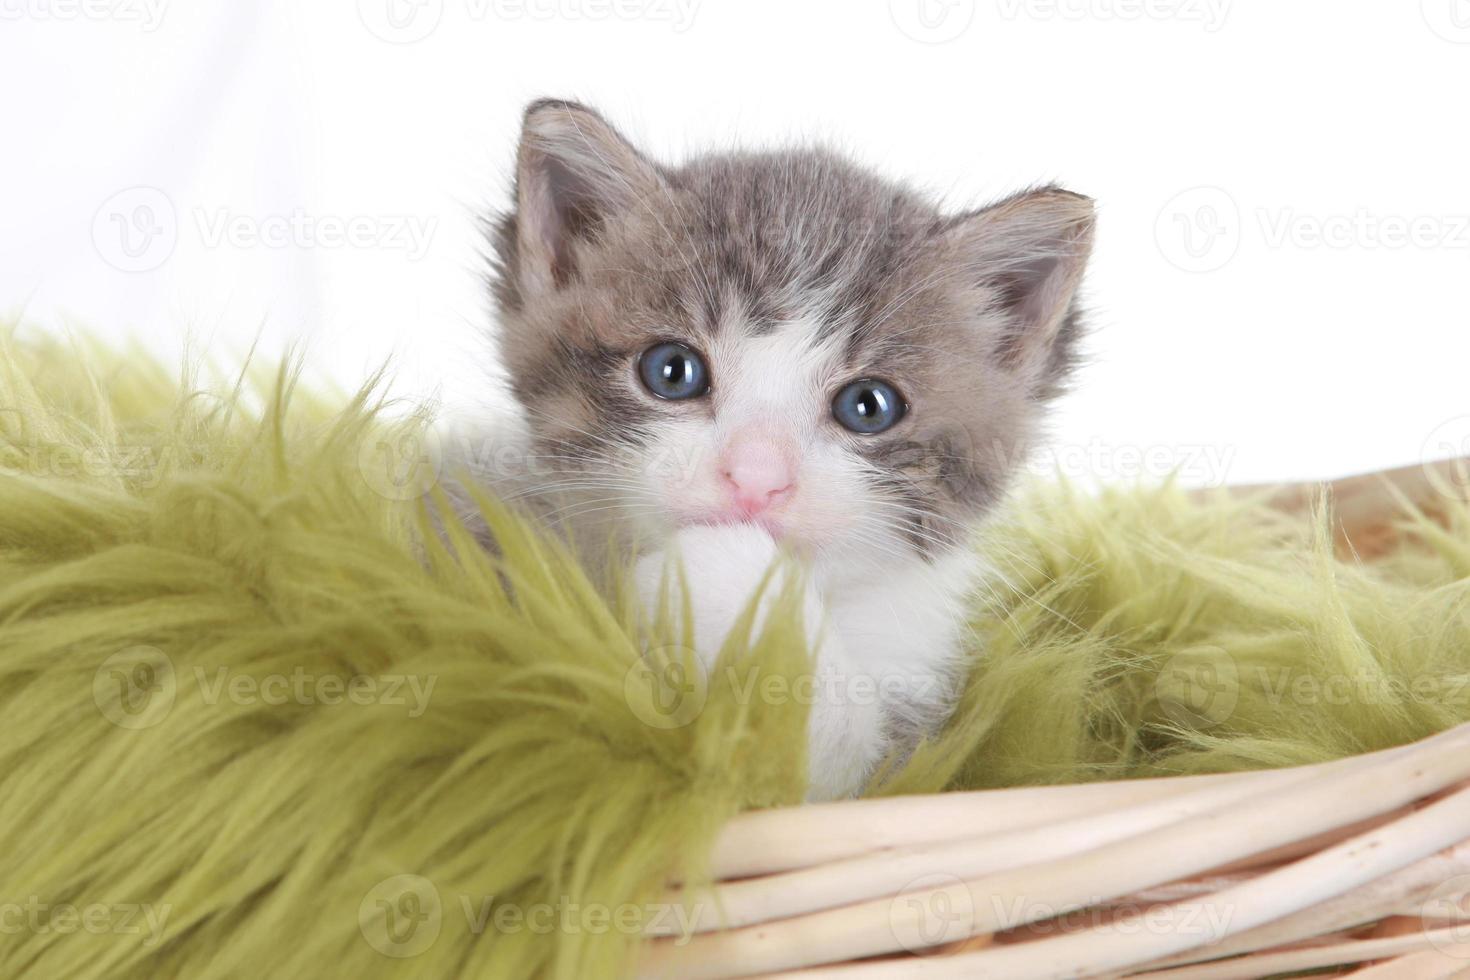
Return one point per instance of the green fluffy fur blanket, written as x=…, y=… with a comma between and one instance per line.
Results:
x=261, y=720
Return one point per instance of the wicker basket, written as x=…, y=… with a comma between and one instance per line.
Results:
x=1360, y=861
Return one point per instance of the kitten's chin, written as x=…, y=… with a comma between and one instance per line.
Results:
x=772, y=526
x=858, y=559
x=790, y=536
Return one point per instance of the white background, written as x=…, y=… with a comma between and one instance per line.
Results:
x=1280, y=287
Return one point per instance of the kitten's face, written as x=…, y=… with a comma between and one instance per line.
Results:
x=780, y=339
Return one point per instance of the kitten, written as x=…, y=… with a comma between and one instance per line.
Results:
x=763, y=353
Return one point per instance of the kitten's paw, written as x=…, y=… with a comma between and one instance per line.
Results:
x=847, y=732
x=845, y=744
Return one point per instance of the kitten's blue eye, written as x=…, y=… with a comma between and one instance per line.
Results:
x=868, y=407
x=673, y=371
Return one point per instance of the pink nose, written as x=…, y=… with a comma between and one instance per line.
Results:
x=758, y=473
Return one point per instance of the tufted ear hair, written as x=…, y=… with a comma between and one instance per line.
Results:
x=1029, y=251
x=573, y=171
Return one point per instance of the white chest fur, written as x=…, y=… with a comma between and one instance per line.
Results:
x=887, y=640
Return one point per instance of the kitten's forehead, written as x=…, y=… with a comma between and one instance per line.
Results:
x=792, y=238
x=769, y=372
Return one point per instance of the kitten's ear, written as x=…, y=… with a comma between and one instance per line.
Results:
x=573, y=170
x=1030, y=252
